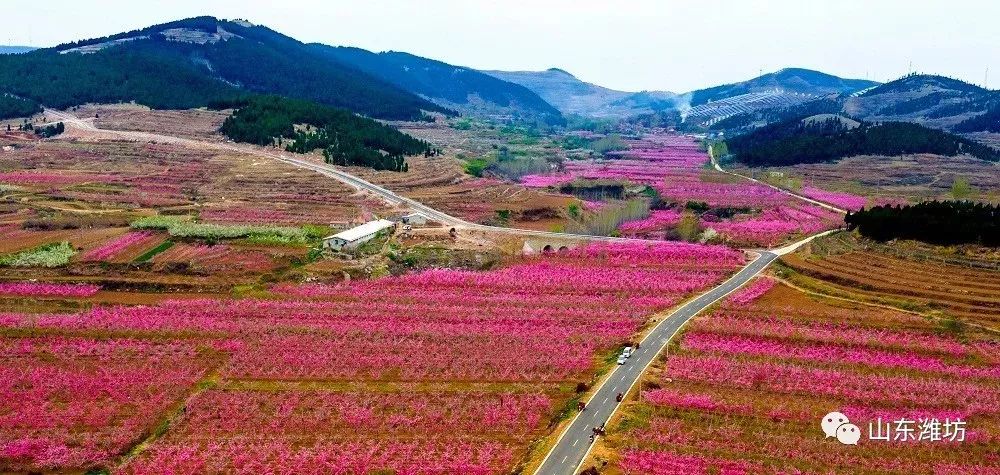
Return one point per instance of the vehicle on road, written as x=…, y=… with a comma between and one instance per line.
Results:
x=621, y=359
x=627, y=352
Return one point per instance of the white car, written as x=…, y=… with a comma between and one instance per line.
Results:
x=621, y=359
x=627, y=352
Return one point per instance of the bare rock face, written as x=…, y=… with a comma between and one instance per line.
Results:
x=201, y=37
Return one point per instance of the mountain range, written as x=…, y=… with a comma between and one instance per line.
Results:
x=929, y=100
x=199, y=61
x=779, y=89
x=455, y=87
x=573, y=96
x=196, y=61
x=15, y=49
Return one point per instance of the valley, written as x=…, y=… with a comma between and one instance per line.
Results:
x=226, y=250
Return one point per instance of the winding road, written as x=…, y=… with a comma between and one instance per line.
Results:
x=574, y=444
x=330, y=171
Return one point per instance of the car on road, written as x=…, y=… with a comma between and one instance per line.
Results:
x=627, y=352
x=621, y=359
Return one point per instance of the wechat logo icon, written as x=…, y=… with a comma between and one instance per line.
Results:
x=836, y=424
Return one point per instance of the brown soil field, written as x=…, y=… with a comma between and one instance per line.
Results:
x=134, y=177
x=969, y=292
x=915, y=177
x=193, y=123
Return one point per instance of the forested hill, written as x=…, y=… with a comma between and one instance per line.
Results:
x=455, y=87
x=830, y=137
x=191, y=62
x=344, y=138
x=935, y=101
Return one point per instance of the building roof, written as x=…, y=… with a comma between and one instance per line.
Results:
x=359, y=232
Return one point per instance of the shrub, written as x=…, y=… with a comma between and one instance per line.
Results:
x=47, y=255
x=183, y=228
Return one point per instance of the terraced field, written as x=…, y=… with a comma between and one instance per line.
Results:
x=964, y=288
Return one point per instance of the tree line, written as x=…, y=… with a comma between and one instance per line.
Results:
x=302, y=126
x=804, y=141
x=936, y=222
x=988, y=121
x=12, y=107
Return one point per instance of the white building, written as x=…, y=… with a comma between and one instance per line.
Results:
x=356, y=236
x=414, y=219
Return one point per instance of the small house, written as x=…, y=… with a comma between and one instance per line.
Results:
x=354, y=237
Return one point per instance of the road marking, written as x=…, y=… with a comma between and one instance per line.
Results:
x=576, y=442
x=605, y=401
x=564, y=459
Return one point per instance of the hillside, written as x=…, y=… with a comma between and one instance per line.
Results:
x=758, y=99
x=573, y=96
x=455, y=87
x=190, y=62
x=831, y=137
x=12, y=107
x=934, y=101
x=790, y=80
x=344, y=138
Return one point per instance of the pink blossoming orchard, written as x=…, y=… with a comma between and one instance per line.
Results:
x=742, y=212
x=747, y=387
x=442, y=371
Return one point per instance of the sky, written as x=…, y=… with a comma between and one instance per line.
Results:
x=629, y=45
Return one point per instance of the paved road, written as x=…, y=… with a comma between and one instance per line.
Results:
x=574, y=445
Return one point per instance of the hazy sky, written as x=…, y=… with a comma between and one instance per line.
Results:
x=631, y=45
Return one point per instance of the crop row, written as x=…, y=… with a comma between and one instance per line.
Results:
x=436, y=372
x=77, y=402
x=114, y=247
x=38, y=289
x=748, y=384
